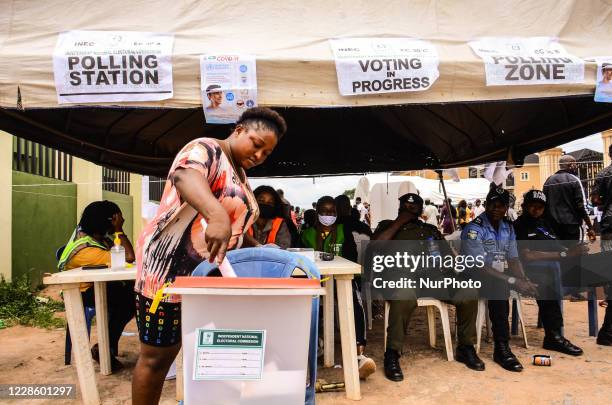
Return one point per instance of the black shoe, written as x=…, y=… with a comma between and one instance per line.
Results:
x=604, y=337
x=505, y=358
x=467, y=355
x=558, y=343
x=116, y=365
x=393, y=371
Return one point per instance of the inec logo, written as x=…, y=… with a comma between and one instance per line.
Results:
x=207, y=338
x=243, y=68
x=229, y=96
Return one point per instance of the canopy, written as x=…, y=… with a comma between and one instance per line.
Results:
x=458, y=121
x=385, y=190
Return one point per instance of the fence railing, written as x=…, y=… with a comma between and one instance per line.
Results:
x=117, y=181
x=156, y=188
x=34, y=158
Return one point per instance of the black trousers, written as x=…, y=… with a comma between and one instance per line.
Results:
x=549, y=296
x=121, y=308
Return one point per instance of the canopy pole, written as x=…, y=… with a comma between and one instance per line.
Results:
x=448, y=207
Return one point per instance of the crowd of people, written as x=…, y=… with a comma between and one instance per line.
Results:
x=208, y=208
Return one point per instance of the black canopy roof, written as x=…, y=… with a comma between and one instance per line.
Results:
x=324, y=140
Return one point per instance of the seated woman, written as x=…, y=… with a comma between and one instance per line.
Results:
x=324, y=236
x=540, y=250
x=270, y=227
x=90, y=246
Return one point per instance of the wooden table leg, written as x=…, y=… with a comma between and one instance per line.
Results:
x=75, y=315
x=347, y=336
x=102, y=325
x=179, y=375
x=328, y=323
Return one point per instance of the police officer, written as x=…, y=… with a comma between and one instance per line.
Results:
x=491, y=236
x=540, y=252
x=408, y=226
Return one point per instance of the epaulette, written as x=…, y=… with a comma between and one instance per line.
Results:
x=477, y=221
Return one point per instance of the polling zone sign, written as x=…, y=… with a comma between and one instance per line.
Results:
x=111, y=66
x=384, y=65
x=527, y=61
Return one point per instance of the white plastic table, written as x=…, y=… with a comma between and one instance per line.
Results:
x=75, y=315
x=341, y=272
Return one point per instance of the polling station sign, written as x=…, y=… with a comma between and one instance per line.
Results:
x=112, y=66
x=384, y=65
x=527, y=61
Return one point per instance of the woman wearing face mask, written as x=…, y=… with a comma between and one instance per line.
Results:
x=324, y=236
x=270, y=228
x=206, y=208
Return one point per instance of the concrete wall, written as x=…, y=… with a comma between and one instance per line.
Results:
x=126, y=205
x=43, y=219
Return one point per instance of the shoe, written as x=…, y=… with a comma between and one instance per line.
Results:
x=503, y=356
x=558, y=343
x=366, y=366
x=115, y=364
x=604, y=337
x=393, y=371
x=466, y=354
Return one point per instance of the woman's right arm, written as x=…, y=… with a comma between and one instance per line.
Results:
x=195, y=191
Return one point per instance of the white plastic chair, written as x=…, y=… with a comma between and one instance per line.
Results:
x=483, y=317
x=430, y=303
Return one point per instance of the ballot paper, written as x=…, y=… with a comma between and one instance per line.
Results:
x=228, y=354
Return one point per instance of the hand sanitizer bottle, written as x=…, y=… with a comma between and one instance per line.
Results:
x=117, y=254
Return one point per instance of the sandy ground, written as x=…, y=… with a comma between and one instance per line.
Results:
x=30, y=355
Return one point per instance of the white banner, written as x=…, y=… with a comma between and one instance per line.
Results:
x=112, y=66
x=228, y=85
x=526, y=61
x=384, y=65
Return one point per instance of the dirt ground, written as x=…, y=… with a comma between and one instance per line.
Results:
x=30, y=355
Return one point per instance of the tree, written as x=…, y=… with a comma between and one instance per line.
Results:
x=350, y=193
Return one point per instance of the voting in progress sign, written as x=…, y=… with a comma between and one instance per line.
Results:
x=384, y=65
x=112, y=66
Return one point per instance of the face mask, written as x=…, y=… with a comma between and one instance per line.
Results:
x=327, y=220
x=266, y=211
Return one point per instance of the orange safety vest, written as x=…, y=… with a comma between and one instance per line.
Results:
x=276, y=224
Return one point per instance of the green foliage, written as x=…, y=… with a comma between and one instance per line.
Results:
x=350, y=193
x=19, y=305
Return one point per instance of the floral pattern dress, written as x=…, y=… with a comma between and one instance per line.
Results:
x=174, y=243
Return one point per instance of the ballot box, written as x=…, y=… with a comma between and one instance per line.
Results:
x=245, y=340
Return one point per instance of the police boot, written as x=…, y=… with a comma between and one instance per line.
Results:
x=604, y=337
x=553, y=340
x=466, y=354
x=503, y=356
x=393, y=371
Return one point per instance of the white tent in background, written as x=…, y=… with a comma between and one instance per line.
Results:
x=383, y=194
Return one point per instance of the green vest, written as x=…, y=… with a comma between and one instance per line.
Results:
x=74, y=246
x=309, y=238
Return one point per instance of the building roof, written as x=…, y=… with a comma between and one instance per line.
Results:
x=586, y=154
x=531, y=159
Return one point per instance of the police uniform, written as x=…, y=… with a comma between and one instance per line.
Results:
x=497, y=246
x=401, y=311
x=537, y=234
x=542, y=272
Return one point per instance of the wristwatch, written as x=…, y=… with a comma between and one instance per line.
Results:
x=563, y=253
x=511, y=280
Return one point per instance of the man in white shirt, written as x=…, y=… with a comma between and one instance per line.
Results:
x=430, y=213
x=478, y=208
x=361, y=208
